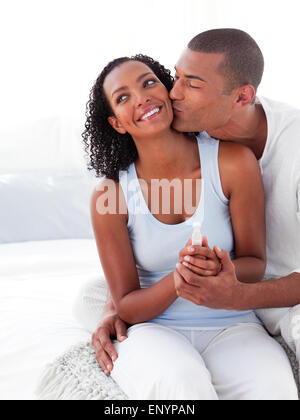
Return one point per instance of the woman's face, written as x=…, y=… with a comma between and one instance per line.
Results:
x=140, y=102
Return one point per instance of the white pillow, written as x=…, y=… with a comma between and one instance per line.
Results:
x=39, y=206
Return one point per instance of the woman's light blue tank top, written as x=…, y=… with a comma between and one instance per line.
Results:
x=156, y=245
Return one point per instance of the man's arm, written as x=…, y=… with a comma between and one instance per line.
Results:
x=274, y=293
x=224, y=291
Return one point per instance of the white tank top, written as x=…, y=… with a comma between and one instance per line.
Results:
x=156, y=245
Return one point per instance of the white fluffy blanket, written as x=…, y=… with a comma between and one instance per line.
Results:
x=76, y=375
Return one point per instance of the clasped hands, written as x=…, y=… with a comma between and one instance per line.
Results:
x=207, y=277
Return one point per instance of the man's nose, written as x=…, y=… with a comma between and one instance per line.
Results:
x=176, y=94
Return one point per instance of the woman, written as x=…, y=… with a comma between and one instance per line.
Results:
x=175, y=348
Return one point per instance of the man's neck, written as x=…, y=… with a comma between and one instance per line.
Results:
x=248, y=127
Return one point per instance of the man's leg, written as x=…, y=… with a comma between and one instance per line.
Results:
x=90, y=302
x=284, y=321
x=271, y=318
x=247, y=364
x=158, y=363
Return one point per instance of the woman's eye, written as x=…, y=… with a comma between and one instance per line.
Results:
x=121, y=98
x=149, y=82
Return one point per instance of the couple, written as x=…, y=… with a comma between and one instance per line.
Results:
x=194, y=333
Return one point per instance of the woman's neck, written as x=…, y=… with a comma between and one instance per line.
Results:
x=167, y=155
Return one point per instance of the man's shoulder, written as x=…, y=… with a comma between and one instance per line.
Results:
x=277, y=109
x=283, y=122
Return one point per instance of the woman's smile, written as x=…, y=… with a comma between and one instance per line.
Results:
x=150, y=113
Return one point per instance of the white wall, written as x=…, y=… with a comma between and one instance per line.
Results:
x=52, y=51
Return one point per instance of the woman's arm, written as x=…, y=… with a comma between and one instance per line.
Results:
x=132, y=303
x=242, y=184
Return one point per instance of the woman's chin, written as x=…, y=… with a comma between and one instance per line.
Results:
x=156, y=129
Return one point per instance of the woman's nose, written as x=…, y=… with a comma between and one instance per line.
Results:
x=176, y=93
x=142, y=99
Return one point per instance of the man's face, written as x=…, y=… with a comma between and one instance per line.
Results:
x=198, y=97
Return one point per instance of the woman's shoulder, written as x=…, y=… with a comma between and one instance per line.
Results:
x=236, y=157
x=108, y=199
x=105, y=186
x=238, y=166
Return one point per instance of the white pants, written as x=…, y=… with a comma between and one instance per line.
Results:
x=284, y=321
x=156, y=362
x=239, y=363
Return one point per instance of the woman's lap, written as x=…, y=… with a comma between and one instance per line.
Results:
x=156, y=362
x=241, y=362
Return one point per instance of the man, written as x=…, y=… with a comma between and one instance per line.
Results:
x=216, y=80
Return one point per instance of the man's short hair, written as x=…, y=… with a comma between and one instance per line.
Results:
x=243, y=60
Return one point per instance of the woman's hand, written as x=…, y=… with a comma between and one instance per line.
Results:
x=200, y=259
x=111, y=327
x=223, y=291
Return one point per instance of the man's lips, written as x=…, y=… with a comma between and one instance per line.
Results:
x=175, y=109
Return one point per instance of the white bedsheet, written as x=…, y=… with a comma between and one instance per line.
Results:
x=38, y=284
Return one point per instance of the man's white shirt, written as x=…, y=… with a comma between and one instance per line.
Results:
x=280, y=167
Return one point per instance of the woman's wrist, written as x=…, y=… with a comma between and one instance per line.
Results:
x=108, y=314
x=174, y=285
x=109, y=309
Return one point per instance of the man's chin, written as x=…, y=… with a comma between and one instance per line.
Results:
x=178, y=126
x=182, y=127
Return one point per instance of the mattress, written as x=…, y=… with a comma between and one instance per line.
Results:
x=38, y=285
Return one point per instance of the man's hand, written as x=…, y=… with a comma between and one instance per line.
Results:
x=111, y=327
x=200, y=259
x=223, y=291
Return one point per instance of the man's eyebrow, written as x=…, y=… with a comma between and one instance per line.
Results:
x=192, y=76
x=126, y=87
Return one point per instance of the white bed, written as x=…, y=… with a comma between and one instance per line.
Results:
x=38, y=283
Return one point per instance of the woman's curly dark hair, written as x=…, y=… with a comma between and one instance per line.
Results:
x=108, y=151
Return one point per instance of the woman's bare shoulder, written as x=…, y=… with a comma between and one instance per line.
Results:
x=108, y=199
x=235, y=156
x=238, y=166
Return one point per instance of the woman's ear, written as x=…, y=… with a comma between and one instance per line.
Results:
x=116, y=125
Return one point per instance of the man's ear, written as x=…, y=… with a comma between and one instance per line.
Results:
x=245, y=95
x=115, y=123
